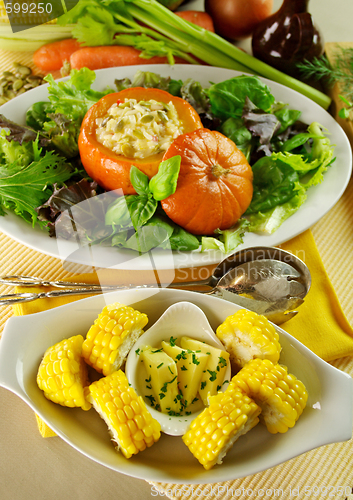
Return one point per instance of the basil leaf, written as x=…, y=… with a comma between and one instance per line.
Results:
x=141, y=208
x=153, y=234
x=118, y=213
x=139, y=180
x=180, y=239
x=183, y=241
x=119, y=239
x=164, y=183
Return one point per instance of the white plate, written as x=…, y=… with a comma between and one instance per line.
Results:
x=327, y=417
x=320, y=199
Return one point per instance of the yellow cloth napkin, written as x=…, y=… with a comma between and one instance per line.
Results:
x=320, y=324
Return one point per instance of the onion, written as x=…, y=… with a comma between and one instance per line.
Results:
x=237, y=19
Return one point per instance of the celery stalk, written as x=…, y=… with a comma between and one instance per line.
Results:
x=158, y=36
x=31, y=39
x=203, y=51
x=166, y=21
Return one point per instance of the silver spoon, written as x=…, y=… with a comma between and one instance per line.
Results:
x=269, y=287
x=268, y=280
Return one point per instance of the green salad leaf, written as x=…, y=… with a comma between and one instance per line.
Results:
x=282, y=180
x=237, y=132
x=26, y=181
x=74, y=97
x=274, y=183
x=228, y=98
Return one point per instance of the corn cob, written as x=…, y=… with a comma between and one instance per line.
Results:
x=214, y=431
x=248, y=335
x=111, y=337
x=280, y=395
x=62, y=374
x=130, y=424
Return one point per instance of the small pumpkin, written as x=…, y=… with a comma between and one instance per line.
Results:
x=111, y=170
x=214, y=185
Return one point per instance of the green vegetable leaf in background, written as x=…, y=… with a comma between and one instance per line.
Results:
x=37, y=114
x=24, y=188
x=287, y=117
x=74, y=97
x=268, y=222
x=235, y=130
x=233, y=237
x=76, y=212
x=322, y=151
x=228, y=240
x=228, y=98
x=63, y=134
x=13, y=151
x=107, y=22
x=193, y=92
x=274, y=183
x=297, y=141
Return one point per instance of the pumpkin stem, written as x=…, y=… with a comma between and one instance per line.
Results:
x=217, y=170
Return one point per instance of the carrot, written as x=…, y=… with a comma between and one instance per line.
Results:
x=51, y=56
x=202, y=19
x=112, y=55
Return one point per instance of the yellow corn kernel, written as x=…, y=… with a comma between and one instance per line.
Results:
x=62, y=374
x=214, y=431
x=111, y=337
x=247, y=335
x=130, y=424
x=281, y=396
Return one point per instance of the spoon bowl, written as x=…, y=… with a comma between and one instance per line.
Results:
x=267, y=280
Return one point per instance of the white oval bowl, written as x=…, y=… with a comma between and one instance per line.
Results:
x=183, y=319
x=326, y=419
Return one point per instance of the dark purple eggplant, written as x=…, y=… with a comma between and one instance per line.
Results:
x=287, y=37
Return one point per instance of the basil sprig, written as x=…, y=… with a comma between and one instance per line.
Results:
x=139, y=222
x=142, y=206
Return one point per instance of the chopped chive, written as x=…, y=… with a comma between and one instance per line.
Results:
x=172, y=341
x=195, y=360
x=213, y=375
